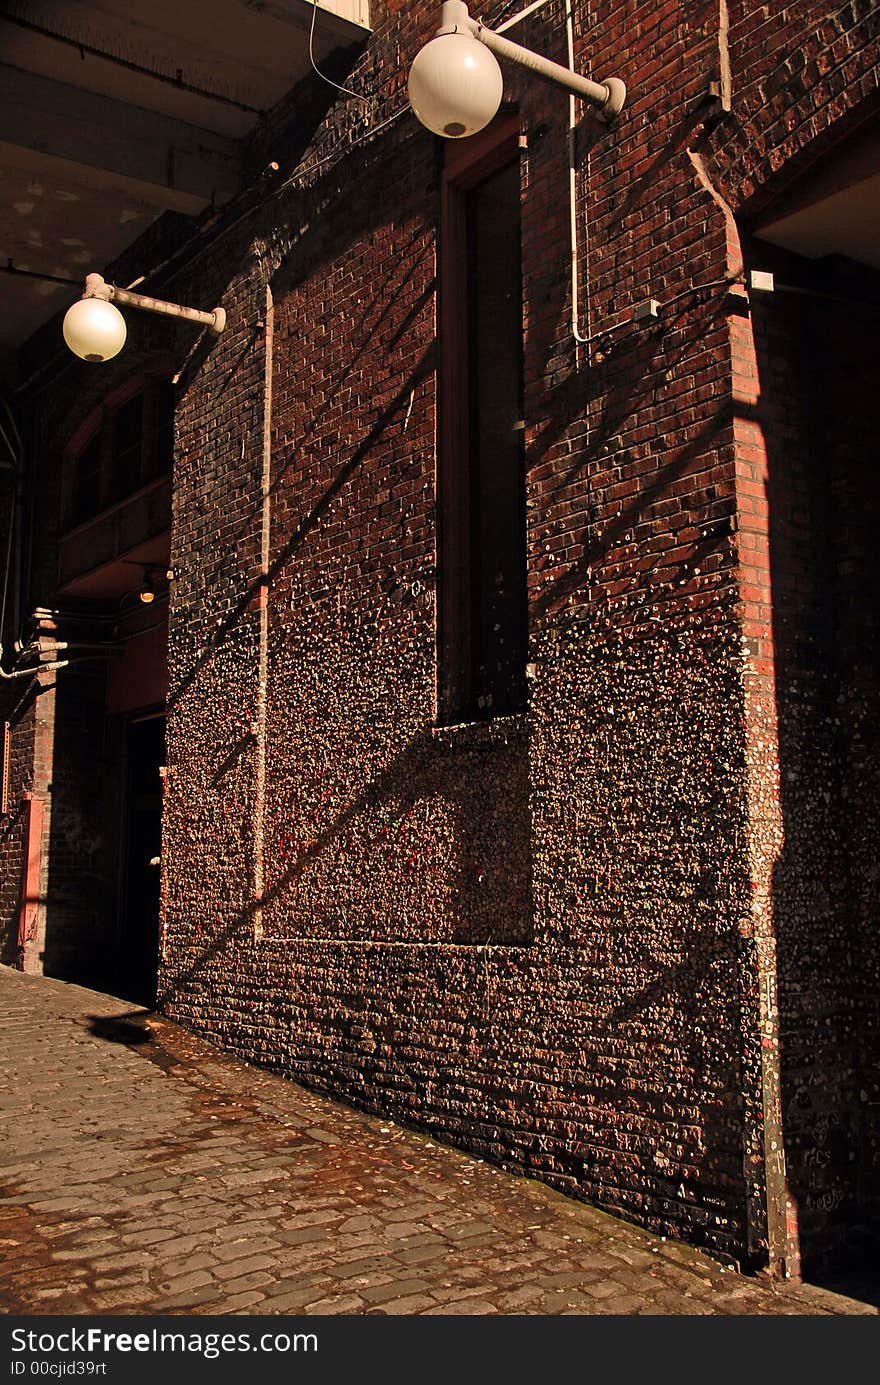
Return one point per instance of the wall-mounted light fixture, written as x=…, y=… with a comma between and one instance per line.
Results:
x=147, y=591
x=94, y=328
x=455, y=83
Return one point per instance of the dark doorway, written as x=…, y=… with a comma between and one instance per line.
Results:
x=138, y=926
x=819, y=412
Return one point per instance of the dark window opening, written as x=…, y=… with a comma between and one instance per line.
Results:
x=86, y=488
x=133, y=446
x=498, y=576
x=483, y=627
x=128, y=439
x=160, y=424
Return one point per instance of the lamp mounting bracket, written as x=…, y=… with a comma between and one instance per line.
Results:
x=97, y=287
x=608, y=95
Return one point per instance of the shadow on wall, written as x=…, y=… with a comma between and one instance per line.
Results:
x=415, y=771
x=820, y=413
x=435, y=846
x=392, y=329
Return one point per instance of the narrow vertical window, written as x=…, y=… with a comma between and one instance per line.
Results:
x=133, y=446
x=128, y=439
x=482, y=627
x=85, y=498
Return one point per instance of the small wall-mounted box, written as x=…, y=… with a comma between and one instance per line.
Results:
x=761, y=280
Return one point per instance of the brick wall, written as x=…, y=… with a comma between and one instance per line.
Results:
x=338, y=872
x=601, y=1046
x=804, y=75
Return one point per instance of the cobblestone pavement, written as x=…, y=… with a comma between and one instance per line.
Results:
x=146, y=1172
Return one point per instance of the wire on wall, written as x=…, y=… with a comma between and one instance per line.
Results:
x=324, y=78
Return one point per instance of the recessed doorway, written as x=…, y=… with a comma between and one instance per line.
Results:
x=138, y=923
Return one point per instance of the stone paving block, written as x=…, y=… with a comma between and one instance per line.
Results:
x=237, y=1268
x=50, y=1294
x=602, y=1288
x=186, y=1264
x=423, y=1254
x=396, y=1288
x=373, y=1266
x=57, y=1274
x=303, y=1236
x=240, y=1250
x=186, y=1299
x=520, y=1300
x=318, y=1216
x=319, y=1202
x=51, y=1204
x=356, y=1224
x=403, y=1230
x=503, y=1267
x=181, y=1245
x=131, y=1299
x=237, y=1230
x=469, y=1231
x=124, y=1279
x=290, y=1300
x=252, y=1176
x=345, y=1246
x=150, y=1236
x=240, y=1303
x=411, y=1211
x=326, y=1137
x=566, y=1279
x=413, y=1303
x=254, y=1280
x=124, y=1261
x=181, y=1283
x=464, y=1307
x=344, y=1303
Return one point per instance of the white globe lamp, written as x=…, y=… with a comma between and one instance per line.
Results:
x=94, y=329
x=455, y=85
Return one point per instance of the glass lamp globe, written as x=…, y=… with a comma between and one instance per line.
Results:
x=455, y=85
x=94, y=329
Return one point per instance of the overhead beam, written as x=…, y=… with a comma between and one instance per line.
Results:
x=176, y=166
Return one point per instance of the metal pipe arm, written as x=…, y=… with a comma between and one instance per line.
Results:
x=96, y=287
x=609, y=95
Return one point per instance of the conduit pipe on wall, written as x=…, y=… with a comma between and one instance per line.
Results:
x=579, y=337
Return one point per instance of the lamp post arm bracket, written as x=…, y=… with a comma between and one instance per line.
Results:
x=216, y=319
x=609, y=95
x=96, y=287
